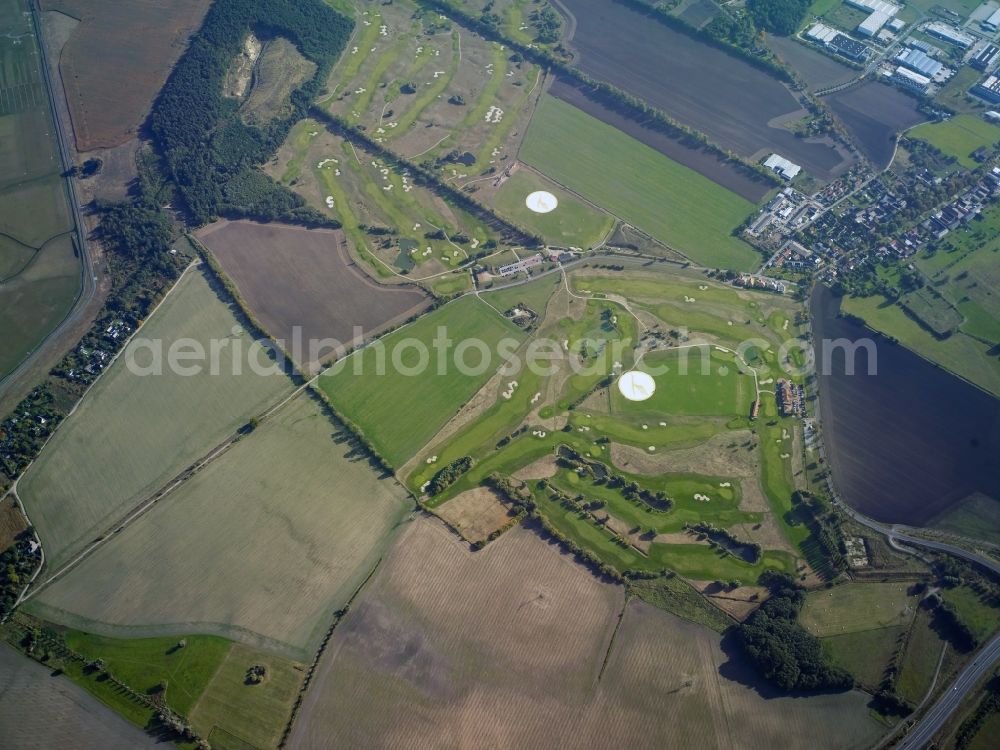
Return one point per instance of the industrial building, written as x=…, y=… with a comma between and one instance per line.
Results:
x=950, y=34
x=880, y=14
x=919, y=62
x=991, y=24
x=988, y=89
x=838, y=42
x=985, y=58
x=910, y=80
x=781, y=166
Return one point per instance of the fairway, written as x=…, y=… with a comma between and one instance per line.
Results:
x=959, y=136
x=672, y=203
x=131, y=434
x=261, y=546
x=399, y=392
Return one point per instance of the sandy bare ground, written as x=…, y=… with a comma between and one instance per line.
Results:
x=304, y=279
x=475, y=513
x=506, y=648
x=543, y=468
x=38, y=711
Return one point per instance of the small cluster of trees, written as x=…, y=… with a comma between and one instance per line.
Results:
x=17, y=563
x=447, y=476
x=781, y=17
x=751, y=552
x=783, y=652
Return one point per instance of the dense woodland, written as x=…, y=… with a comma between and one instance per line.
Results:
x=782, y=650
x=211, y=154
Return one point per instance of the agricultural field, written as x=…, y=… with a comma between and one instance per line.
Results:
x=453, y=643
x=296, y=279
x=113, y=69
x=959, y=137
x=974, y=610
x=961, y=354
x=866, y=654
x=401, y=230
x=705, y=87
x=399, y=393
x=133, y=433
x=293, y=487
x=39, y=270
x=39, y=710
x=670, y=202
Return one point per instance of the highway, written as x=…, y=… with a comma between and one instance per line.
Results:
x=921, y=734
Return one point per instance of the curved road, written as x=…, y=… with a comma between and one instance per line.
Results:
x=88, y=281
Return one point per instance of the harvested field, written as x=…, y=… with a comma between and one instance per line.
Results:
x=42, y=711
x=819, y=71
x=874, y=113
x=543, y=468
x=117, y=59
x=703, y=162
x=704, y=88
x=295, y=278
x=453, y=644
x=475, y=513
x=294, y=488
x=132, y=433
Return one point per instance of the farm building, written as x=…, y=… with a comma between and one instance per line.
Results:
x=949, y=34
x=985, y=57
x=919, y=62
x=988, y=89
x=910, y=80
x=992, y=24
x=781, y=166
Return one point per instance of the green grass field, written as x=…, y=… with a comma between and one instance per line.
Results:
x=959, y=353
x=865, y=654
x=920, y=660
x=959, y=137
x=572, y=223
x=403, y=402
x=144, y=663
x=131, y=434
x=976, y=517
x=261, y=545
x=855, y=607
x=670, y=202
x=692, y=382
x=255, y=714
x=981, y=618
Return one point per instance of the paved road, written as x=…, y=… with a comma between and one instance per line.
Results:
x=88, y=281
x=921, y=734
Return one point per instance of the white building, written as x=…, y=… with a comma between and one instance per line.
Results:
x=950, y=34
x=880, y=14
x=781, y=166
x=992, y=24
x=911, y=80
